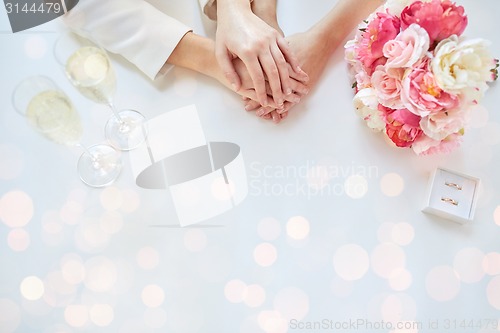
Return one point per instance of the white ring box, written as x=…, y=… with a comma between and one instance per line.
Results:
x=452, y=195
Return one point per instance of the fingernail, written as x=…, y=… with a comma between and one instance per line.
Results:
x=234, y=86
x=260, y=112
x=289, y=91
x=276, y=118
x=247, y=107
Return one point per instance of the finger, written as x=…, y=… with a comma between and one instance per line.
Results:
x=300, y=91
x=273, y=77
x=262, y=111
x=288, y=106
x=224, y=59
x=252, y=105
x=276, y=117
x=291, y=58
x=267, y=116
x=302, y=76
x=284, y=115
x=283, y=71
x=293, y=98
x=257, y=75
x=252, y=95
x=300, y=88
x=269, y=93
x=270, y=98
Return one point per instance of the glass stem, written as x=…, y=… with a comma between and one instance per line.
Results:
x=124, y=126
x=95, y=160
x=115, y=112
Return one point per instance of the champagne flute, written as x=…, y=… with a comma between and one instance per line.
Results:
x=52, y=114
x=89, y=69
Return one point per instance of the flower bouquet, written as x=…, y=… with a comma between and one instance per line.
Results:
x=416, y=76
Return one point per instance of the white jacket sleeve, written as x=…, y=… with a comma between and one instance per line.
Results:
x=133, y=28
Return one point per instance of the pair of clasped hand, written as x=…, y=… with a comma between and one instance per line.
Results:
x=257, y=61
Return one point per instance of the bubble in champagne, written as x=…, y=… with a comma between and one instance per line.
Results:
x=53, y=115
x=90, y=71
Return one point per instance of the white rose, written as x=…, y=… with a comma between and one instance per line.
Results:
x=366, y=104
x=395, y=7
x=440, y=125
x=462, y=67
x=354, y=65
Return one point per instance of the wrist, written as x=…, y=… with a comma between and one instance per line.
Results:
x=196, y=53
x=266, y=11
x=264, y=8
x=232, y=7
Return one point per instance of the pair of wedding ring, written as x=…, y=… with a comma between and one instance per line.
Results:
x=450, y=200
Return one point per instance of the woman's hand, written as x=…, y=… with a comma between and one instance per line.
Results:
x=248, y=92
x=263, y=50
x=313, y=58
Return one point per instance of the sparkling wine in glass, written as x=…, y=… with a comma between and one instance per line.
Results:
x=89, y=69
x=52, y=114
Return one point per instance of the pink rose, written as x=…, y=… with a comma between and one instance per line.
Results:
x=440, y=18
x=408, y=47
x=427, y=146
x=422, y=95
x=440, y=125
x=402, y=126
x=387, y=84
x=379, y=31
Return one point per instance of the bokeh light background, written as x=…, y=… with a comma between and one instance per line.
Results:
x=306, y=245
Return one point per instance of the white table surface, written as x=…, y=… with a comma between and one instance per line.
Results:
x=114, y=259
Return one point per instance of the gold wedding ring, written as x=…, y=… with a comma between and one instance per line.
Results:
x=456, y=186
x=450, y=201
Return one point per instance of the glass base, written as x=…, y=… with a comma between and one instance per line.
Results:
x=101, y=167
x=129, y=133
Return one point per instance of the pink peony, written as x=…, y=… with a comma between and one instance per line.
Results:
x=387, y=84
x=422, y=95
x=463, y=66
x=379, y=31
x=408, y=47
x=440, y=18
x=402, y=126
x=427, y=146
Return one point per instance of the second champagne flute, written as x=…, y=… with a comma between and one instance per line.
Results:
x=89, y=69
x=49, y=110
